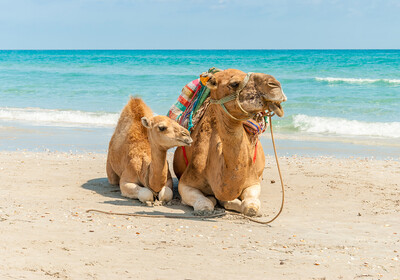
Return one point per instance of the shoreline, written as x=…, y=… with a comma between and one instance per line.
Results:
x=39, y=138
x=340, y=220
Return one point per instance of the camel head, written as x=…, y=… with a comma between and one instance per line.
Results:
x=255, y=93
x=165, y=132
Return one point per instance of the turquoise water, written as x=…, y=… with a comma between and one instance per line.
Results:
x=332, y=94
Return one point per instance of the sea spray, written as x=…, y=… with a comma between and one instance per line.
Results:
x=358, y=80
x=344, y=127
x=59, y=117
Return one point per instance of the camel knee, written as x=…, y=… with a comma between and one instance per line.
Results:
x=145, y=195
x=165, y=194
x=195, y=198
x=250, y=206
x=251, y=192
x=133, y=190
x=203, y=205
x=234, y=205
x=250, y=202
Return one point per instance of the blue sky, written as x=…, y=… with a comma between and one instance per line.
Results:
x=197, y=24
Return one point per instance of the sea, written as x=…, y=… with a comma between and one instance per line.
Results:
x=341, y=103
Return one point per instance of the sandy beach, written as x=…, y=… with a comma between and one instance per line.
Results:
x=340, y=221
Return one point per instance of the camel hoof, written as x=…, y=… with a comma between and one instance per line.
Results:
x=250, y=207
x=145, y=195
x=165, y=194
x=203, y=205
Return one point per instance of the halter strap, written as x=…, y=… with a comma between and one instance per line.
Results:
x=234, y=96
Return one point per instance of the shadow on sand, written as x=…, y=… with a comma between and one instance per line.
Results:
x=105, y=189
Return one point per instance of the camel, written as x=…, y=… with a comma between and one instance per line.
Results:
x=223, y=162
x=137, y=152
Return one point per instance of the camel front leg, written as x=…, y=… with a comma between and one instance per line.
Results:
x=133, y=190
x=195, y=198
x=166, y=192
x=250, y=200
x=234, y=205
x=248, y=204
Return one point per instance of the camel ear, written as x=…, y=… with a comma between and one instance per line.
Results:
x=212, y=83
x=146, y=122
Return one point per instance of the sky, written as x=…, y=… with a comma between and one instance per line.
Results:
x=199, y=24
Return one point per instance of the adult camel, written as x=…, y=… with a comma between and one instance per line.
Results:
x=223, y=161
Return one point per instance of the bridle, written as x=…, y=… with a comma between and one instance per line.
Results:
x=235, y=96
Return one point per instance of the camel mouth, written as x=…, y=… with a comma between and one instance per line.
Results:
x=276, y=108
x=186, y=142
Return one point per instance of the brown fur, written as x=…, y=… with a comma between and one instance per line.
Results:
x=137, y=150
x=220, y=159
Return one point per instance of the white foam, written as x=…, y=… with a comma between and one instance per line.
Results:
x=59, y=117
x=357, y=81
x=341, y=126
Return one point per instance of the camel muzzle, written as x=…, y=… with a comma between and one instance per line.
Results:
x=274, y=102
x=187, y=141
x=276, y=108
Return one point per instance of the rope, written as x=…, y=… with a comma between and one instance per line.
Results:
x=279, y=171
x=158, y=216
x=218, y=214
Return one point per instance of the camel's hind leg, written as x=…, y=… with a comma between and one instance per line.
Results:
x=133, y=190
x=195, y=198
x=113, y=178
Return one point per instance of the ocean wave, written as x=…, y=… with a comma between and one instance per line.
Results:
x=358, y=81
x=339, y=126
x=59, y=117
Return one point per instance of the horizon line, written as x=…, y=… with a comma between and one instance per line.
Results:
x=189, y=49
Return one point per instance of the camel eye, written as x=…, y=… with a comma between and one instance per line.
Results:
x=162, y=128
x=234, y=84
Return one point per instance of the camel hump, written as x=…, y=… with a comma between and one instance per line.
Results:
x=138, y=109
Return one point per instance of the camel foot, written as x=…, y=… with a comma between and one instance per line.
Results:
x=165, y=194
x=203, y=205
x=250, y=207
x=145, y=195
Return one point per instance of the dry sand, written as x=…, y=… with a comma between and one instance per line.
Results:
x=341, y=221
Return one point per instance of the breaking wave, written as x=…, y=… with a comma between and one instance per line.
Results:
x=358, y=81
x=339, y=126
x=59, y=117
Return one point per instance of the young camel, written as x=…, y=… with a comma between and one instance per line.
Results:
x=137, y=152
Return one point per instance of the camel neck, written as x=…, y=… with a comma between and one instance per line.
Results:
x=158, y=170
x=228, y=127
